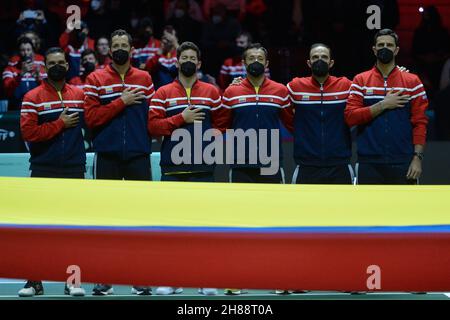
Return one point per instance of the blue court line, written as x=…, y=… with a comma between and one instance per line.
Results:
x=203, y=229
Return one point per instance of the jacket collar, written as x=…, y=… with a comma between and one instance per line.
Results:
x=249, y=85
x=49, y=87
x=392, y=73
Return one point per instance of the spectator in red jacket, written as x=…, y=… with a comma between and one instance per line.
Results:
x=74, y=42
x=24, y=75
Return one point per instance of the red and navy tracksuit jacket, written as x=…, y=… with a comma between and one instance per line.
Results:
x=117, y=129
x=165, y=116
x=390, y=137
x=321, y=136
x=52, y=147
x=246, y=109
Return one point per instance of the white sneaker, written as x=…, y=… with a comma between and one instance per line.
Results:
x=27, y=292
x=164, y=291
x=208, y=291
x=283, y=291
x=77, y=292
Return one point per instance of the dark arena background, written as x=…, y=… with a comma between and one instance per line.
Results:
x=96, y=205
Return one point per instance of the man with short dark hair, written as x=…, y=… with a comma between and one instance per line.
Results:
x=51, y=121
x=388, y=106
x=185, y=104
x=322, y=143
x=117, y=105
x=102, y=52
x=257, y=103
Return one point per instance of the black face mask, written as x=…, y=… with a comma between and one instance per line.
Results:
x=188, y=68
x=57, y=72
x=88, y=67
x=120, y=56
x=255, y=69
x=385, y=55
x=320, y=68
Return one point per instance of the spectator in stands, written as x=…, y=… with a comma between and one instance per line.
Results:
x=162, y=66
x=149, y=45
x=187, y=26
x=234, y=67
x=235, y=7
x=172, y=9
x=24, y=75
x=74, y=42
x=88, y=65
x=36, y=40
x=102, y=52
x=31, y=19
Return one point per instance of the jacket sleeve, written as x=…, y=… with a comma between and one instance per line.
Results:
x=355, y=112
x=64, y=40
x=224, y=77
x=287, y=111
x=219, y=114
x=158, y=123
x=419, y=121
x=29, y=127
x=10, y=82
x=97, y=114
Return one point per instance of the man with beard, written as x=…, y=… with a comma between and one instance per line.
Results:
x=117, y=102
x=322, y=142
x=51, y=121
x=388, y=106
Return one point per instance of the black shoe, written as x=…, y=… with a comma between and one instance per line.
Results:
x=101, y=289
x=141, y=291
x=31, y=289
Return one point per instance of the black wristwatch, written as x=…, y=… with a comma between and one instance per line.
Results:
x=419, y=155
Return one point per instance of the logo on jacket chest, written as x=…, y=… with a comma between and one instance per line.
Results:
x=47, y=106
x=369, y=92
x=305, y=97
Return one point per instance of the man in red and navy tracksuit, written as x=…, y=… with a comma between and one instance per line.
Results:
x=117, y=105
x=177, y=106
x=188, y=106
x=388, y=106
x=257, y=103
x=322, y=141
x=51, y=119
x=117, y=99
